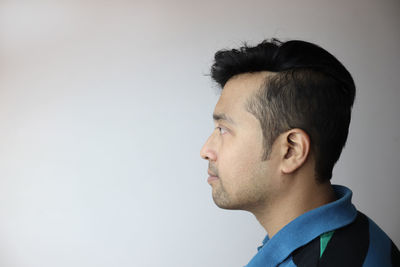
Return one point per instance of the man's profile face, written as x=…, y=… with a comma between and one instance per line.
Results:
x=235, y=148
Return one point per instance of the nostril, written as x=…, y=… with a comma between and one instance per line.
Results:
x=204, y=156
x=209, y=155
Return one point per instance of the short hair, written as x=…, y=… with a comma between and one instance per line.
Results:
x=310, y=89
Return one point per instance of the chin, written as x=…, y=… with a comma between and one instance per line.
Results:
x=225, y=207
x=224, y=200
x=226, y=204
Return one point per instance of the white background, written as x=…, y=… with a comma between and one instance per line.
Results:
x=104, y=106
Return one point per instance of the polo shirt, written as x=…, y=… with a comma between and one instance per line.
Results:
x=335, y=234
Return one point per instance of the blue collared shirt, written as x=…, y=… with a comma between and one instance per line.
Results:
x=335, y=234
x=302, y=230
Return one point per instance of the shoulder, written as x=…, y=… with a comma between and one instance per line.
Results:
x=361, y=243
x=381, y=251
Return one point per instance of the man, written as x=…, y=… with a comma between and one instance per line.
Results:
x=280, y=125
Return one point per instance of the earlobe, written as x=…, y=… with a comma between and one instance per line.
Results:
x=296, y=147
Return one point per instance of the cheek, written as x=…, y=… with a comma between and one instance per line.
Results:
x=238, y=164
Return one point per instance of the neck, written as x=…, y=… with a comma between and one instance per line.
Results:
x=293, y=201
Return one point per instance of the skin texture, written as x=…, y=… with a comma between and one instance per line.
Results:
x=276, y=190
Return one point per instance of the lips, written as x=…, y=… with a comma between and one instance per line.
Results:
x=211, y=174
x=212, y=177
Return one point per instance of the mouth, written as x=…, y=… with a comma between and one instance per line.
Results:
x=212, y=177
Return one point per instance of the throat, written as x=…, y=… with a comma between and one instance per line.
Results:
x=276, y=215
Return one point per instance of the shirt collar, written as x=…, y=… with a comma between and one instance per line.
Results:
x=305, y=228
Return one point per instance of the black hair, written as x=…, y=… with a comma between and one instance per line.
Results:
x=309, y=89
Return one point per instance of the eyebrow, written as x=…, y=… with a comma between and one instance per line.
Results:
x=223, y=117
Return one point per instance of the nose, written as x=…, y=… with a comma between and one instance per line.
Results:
x=208, y=152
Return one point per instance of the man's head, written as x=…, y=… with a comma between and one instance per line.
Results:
x=292, y=93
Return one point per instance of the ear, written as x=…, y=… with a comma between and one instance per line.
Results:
x=295, y=150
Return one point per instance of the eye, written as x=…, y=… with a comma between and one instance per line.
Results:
x=222, y=130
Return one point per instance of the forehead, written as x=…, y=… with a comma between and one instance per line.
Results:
x=237, y=91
